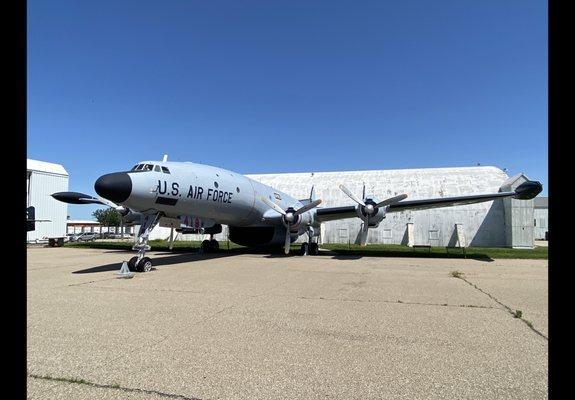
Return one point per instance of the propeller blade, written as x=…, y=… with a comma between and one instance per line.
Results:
x=391, y=200
x=288, y=240
x=273, y=205
x=364, y=232
x=307, y=207
x=351, y=195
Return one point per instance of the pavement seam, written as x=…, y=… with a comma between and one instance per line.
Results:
x=399, y=302
x=505, y=306
x=114, y=387
x=125, y=289
x=87, y=283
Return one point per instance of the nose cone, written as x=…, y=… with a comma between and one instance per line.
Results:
x=116, y=187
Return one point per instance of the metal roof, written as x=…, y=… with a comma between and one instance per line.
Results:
x=43, y=166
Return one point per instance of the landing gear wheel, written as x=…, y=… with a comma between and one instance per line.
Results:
x=304, y=251
x=206, y=246
x=145, y=265
x=214, y=245
x=132, y=264
x=313, y=249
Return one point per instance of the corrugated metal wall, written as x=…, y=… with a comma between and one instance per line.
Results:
x=40, y=186
x=541, y=220
x=483, y=223
x=518, y=216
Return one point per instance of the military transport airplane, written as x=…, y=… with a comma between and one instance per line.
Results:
x=196, y=198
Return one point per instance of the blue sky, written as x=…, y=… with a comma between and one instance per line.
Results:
x=287, y=86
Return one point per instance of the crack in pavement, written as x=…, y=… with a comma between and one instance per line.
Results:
x=398, y=302
x=87, y=283
x=505, y=306
x=114, y=387
x=126, y=289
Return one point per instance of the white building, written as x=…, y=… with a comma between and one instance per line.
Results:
x=541, y=217
x=499, y=223
x=43, y=179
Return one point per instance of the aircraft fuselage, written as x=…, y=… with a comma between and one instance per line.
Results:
x=179, y=189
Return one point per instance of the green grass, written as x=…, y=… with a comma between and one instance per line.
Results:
x=395, y=250
x=373, y=250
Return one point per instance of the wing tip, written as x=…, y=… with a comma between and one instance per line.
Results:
x=528, y=190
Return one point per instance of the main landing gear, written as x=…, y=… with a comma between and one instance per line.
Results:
x=311, y=248
x=210, y=246
x=141, y=263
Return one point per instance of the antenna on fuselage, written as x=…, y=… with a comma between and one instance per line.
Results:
x=165, y=158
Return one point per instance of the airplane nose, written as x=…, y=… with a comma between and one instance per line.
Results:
x=116, y=187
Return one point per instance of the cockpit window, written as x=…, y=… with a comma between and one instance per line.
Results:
x=165, y=170
x=157, y=168
x=134, y=167
x=149, y=167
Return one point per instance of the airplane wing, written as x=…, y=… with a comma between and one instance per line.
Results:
x=525, y=191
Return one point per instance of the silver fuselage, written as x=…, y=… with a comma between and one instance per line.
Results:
x=210, y=193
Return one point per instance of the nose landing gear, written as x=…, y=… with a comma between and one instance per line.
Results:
x=141, y=263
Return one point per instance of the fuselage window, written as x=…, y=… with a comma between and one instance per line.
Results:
x=157, y=168
x=216, y=184
x=166, y=170
x=238, y=189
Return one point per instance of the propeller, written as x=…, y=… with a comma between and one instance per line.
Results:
x=369, y=208
x=290, y=216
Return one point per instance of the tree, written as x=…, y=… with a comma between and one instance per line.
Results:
x=107, y=217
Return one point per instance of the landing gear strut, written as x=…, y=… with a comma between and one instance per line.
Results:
x=141, y=263
x=313, y=249
x=310, y=247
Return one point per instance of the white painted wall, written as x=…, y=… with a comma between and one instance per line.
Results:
x=40, y=185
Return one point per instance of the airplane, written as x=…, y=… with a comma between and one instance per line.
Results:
x=197, y=198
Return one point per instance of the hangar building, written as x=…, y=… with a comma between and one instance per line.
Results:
x=43, y=179
x=499, y=223
x=541, y=217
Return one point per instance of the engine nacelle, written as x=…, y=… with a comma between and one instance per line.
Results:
x=374, y=219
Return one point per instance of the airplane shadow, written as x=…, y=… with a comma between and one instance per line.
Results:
x=168, y=259
x=353, y=255
x=180, y=256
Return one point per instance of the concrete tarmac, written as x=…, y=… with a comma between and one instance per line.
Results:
x=255, y=326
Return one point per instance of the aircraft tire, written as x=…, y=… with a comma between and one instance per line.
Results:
x=304, y=250
x=145, y=265
x=214, y=245
x=206, y=247
x=313, y=249
x=132, y=264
